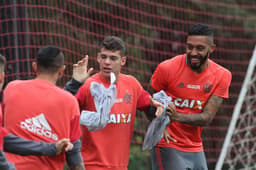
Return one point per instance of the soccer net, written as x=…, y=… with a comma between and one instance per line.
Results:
x=154, y=30
x=239, y=149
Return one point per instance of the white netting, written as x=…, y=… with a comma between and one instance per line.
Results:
x=239, y=149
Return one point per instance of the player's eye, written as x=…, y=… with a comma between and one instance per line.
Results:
x=200, y=48
x=190, y=47
x=103, y=56
x=113, y=57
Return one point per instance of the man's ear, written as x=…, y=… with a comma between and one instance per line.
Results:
x=2, y=77
x=61, y=70
x=213, y=47
x=98, y=57
x=123, y=61
x=34, y=66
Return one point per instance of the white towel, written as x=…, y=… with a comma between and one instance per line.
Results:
x=156, y=127
x=104, y=99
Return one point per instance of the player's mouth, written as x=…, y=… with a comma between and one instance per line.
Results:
x=195, y=60
x=107, y=70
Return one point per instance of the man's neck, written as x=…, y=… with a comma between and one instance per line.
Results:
x=51, y=78
x=202, y=68
x=107, y=79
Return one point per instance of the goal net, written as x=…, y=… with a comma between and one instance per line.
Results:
x=239, y=149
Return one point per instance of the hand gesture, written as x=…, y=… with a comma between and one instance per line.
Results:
x=158, y=105
x=63, y=145
x=80, y=70
x=167, y=136
x=171, y=112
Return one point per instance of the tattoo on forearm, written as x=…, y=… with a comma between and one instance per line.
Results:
x=206, y=116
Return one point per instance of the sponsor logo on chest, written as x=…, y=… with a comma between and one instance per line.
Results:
x=189, y=103
x=120, y=118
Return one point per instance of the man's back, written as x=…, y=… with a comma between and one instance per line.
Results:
x=38, y=110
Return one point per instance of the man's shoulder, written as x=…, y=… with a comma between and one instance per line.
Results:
x=219, y=69
x=17, y=83
x=93, y=78
x=127, y=78
x=176, y=60
x=63, y=93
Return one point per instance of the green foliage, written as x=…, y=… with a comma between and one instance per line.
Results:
x=139, y=160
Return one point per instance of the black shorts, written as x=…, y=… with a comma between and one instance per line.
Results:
x=172, y=159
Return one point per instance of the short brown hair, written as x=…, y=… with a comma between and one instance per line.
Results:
x=114, y=43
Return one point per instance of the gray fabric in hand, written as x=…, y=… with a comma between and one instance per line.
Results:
x=104, y=98
x=157, y=126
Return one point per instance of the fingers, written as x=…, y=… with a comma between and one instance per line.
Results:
x=171, y=111
x=83, y=61
x=159, y=111
x=171, y=107
x=63, y=145
x=80, y=70
x=90, y=71
x=158, y=105
x=155, y=103
x=172, y=139
x=167, y=137
x=68, y=147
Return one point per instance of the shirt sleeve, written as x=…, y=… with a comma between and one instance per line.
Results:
x=159, y=78
x=4, y=164
x=74, y=156
x=222, y=89
x=17, y=145
x=75, y=131
x=143, y=101
x=3, y=133
x=83, y=94
x=73, y=86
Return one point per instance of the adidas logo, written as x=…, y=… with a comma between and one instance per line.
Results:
x=181, y=85
x=40, y=126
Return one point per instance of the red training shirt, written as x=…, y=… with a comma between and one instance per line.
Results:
x=38, y=110
x=109, y=148
x=3, y=131
x=190, y=92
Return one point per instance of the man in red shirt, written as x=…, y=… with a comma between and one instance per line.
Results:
x=43, y=112
x=108, y=148
x=197, y=86
x=17, y=145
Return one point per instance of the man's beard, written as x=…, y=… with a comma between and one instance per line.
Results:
x=202, y=61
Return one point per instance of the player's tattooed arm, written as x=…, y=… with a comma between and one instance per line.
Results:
x=201, y=119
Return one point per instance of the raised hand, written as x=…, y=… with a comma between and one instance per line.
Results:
x=80, y=70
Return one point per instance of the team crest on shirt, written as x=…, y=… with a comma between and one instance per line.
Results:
x=207, y=87
x=127, y=98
